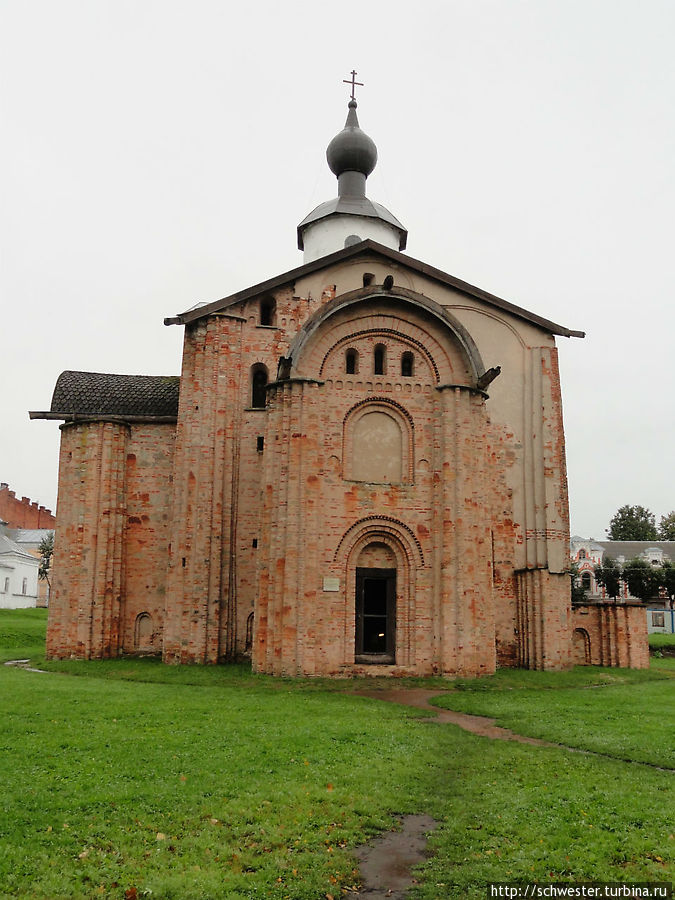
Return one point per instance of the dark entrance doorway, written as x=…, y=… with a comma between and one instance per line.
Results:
x=375, y=616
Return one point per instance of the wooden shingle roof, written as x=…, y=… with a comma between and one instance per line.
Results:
x=91, y=395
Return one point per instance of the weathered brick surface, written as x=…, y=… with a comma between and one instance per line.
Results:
x=173, y=537
x=148, y=532
x=110, y=545
x=610, y=634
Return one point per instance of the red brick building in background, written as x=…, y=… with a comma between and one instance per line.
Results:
x=361, y=469
x=23, y=513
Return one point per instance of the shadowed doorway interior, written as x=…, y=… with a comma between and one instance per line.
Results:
x=375, y=616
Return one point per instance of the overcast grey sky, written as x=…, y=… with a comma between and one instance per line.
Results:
x=156, y=153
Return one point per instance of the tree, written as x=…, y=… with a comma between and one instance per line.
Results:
x=632, y=523
x=642, y=579
x=667, y=527
x=608, y=575
x=578, y=593
x=667, y=579
x=46, y=549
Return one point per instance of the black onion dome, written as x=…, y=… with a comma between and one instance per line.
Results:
x=351, y=150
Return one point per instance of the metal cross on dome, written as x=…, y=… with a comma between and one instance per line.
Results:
x=353, y=83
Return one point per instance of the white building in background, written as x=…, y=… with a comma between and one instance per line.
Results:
x=29, y=540
x=588, y=553
x=18, y=574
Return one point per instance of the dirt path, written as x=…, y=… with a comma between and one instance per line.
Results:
x=386, y=862
x=24, y=664
x=481, y=725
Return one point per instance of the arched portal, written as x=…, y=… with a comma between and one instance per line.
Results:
x=375, y=605
x=382, y=559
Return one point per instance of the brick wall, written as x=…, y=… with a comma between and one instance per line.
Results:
x=610, y=634
x=111, y=540
x=172, y=536
x=23, y=513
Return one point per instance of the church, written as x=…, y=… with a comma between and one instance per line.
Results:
x=360, y=470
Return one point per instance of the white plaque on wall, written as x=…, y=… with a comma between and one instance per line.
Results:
x=331, y=584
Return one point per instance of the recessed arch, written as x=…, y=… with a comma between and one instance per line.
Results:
x=143, y=632
x=581, y=647
x=378, y=443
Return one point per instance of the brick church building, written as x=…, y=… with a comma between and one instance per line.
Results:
x=361, y=469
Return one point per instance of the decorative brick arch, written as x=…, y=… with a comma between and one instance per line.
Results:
x=373, y=526
x=406, y=339
x=413, y=307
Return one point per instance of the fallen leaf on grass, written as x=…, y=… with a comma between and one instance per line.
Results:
x=131, y=894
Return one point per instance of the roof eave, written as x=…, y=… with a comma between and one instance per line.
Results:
x=77, y=418
x=395, y=256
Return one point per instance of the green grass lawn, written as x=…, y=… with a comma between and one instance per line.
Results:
x=143, y=780
x=661, y=641
x=22, y=633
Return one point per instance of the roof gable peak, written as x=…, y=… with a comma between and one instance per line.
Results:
x=369, y=249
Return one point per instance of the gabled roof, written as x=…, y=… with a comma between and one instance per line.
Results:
x=9, y=548
x=29, y=535
x=633, y=549
x=369, y=249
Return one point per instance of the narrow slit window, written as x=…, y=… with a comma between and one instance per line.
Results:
x=379, y=359
x=259, y=387
x=407, y=365
x=351, y=362
x=268, y=310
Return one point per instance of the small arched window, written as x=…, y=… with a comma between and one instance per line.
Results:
x=259, y=380
x=268, y=309
x=586, y=581
x=24, y=586
x=379, y=359
x=352, y=362
x=582, y=554
x=407, y=365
